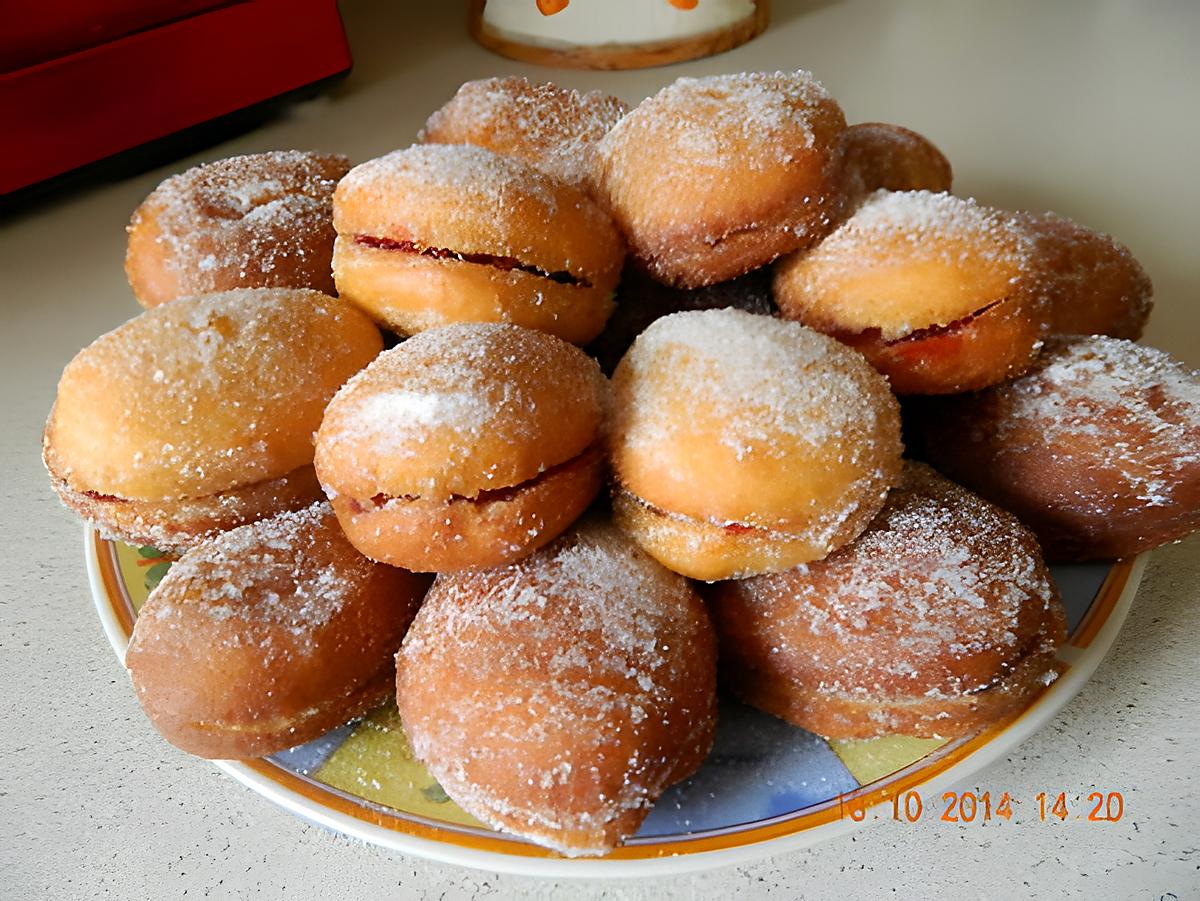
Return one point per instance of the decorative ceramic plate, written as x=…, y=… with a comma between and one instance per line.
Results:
x=767, y=786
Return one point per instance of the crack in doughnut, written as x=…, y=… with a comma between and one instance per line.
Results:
x=487, y=495
x=874, y=336
x=932, y=331
x=102, y=498
x=503, y=263
x=730, y=526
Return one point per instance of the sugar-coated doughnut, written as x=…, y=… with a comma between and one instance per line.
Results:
x=1093, y=285
x=438, y=234
x=198, y=415
x=468, y=445
x=712, y=177
x=556, y=698
x=744, y=444
x=641, y=300
x=268, y=636
x=258, y=221
x=1096, y=448
x=938, y=620
x=878, y=155
x=935, y=290
x=553, y=129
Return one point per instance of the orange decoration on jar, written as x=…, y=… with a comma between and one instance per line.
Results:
x=614, y=34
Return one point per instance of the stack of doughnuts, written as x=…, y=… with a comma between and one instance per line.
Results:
x=778, y=278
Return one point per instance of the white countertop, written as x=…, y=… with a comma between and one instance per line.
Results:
x=1085, y=108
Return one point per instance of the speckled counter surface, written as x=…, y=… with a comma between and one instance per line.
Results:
x=1085, y=108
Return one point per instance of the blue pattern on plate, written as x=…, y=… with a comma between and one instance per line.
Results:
x=308, y=758
x=760, y=767
x=1079, y=583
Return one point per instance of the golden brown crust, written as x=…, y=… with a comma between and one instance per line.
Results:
x=177, y=524
x=553, y=129
x=204, y=395
x=713, y=177
x=939, y=618
x=1096, y=448
x=494, y=528
x=708, y=550
x=906, y=261
x=1092, y=284
x=996, y=344
x=938, y=292
x=409, y=293
x=267, y=636
x=458, y=410
x=259, y=737
x=510, y=231
x=878, y=155
x=841, y=716
x=558, y=697
x=258, y=221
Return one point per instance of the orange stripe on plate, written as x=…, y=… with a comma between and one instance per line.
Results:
x=106, y=554
x=1102, y=607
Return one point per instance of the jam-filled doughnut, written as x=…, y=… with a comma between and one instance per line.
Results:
x=553, y=129
x=439, y=233
x=712, y=177
x=1096, y=448
x=878, y=155
x=258, y=221
x=556, y=698
x=468, y=445
x=198, y=415
x=744, y=444
x=268, y=636
x=939, y=619
x=1093, y=285
x=935, y=290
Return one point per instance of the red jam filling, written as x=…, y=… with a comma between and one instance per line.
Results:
x=505, y=264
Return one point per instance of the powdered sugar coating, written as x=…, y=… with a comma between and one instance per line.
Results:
x=268, y=636
x=713, y=177
x=487, y=183
x=458, y=410
x=553, y=129
x=573, y=687
x=879, y=155
x=1135, y=409
x=919, y=216
x=294, y=571
x=907, y=260
x=1091, y=283
x=204, y=394
x=459, y=201
x=730, y=416
x=750, y=365
x=939, y=597
x=710, y=121
x=261, y=220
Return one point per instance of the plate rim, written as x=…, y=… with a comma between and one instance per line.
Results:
x=1085, y=650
